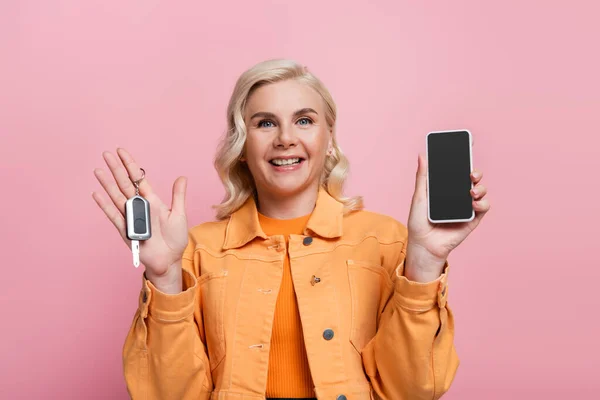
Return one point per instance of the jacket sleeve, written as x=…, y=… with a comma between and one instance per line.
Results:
x=412, y=355
x=164, y=355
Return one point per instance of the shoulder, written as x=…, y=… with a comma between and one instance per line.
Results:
x=390, y=235
x=210, y=234
x=386, y=229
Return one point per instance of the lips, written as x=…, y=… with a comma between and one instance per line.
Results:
x=287, y=165
x=284, y=162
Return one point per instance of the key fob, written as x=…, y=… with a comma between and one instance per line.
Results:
x=137, y=216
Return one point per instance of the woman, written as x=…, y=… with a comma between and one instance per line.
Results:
x=295, y=292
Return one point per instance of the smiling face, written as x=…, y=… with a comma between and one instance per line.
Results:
x=287, y=138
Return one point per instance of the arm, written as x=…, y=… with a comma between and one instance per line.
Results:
x=412, y=356
x=164, y=356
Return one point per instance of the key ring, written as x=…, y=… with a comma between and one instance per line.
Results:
x=137, y=182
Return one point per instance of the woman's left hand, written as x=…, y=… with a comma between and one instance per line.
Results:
x=430, y=244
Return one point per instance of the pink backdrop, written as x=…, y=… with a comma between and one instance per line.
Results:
x=81, y=77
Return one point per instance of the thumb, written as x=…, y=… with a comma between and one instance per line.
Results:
x=179, y=189
x=421, y=179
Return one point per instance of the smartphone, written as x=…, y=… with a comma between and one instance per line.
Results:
x=450, y=163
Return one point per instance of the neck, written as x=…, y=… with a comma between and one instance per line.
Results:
x=294, y=206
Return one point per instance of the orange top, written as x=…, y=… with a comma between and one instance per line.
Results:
x=289, y=374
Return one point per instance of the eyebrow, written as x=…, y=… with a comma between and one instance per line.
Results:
x=264, y=114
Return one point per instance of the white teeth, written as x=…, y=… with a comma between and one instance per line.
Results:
x=288, y=161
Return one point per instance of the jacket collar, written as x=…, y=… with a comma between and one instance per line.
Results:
x=325, y=221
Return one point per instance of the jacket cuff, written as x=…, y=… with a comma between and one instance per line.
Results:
x=418, y=296
x=169, y=307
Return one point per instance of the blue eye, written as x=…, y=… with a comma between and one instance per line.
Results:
x=264, y=124
x=307, y=120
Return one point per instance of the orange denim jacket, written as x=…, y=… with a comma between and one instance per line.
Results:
x=369, y=332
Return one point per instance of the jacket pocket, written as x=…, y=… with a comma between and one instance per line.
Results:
x=212, y=290
x=369, y=288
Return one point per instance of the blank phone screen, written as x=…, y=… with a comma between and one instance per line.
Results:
x=449, y=169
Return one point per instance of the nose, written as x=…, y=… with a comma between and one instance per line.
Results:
x=285, y=137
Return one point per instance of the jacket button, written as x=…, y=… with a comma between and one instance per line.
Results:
x=328, y=335
x=307, y=241
x=341, y=397
x=314, y=280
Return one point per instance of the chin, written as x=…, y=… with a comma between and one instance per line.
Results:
x=288, y=189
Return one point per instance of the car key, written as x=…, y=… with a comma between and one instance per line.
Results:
x=137, y=215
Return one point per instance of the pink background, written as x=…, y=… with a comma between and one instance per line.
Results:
x=81, y=77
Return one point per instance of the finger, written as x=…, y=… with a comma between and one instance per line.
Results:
x=481, y=206
x=111, y=189
x=120, y=174
x=179, y=190
x=112, y=213
x=478, y=192
x=134, y=172
x=421, y=179
x=476, y=176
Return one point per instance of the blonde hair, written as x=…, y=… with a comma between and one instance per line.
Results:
x=235, y=175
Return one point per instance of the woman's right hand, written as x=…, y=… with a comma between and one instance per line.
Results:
x=162, y=253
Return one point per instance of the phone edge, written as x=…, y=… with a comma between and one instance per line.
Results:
x=427, y=175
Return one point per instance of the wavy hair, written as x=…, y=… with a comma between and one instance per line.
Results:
x=235, y=175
